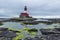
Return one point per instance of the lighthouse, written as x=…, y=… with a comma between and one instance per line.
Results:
x=25, y=14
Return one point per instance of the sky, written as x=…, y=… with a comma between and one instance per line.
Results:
x=36, y=8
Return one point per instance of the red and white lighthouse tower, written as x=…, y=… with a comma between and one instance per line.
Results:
x=24, y=14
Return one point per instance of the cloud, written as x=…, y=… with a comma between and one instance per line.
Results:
x=2, y=11
x=13, y=8
x=6, y=13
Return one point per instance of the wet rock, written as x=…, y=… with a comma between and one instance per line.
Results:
x=58, y=29
x=51, y=37
x=28, y=38
x=2, y=33
x=1, y=23
x=19, y=39
x=3, y=29
x=33, y=30
x=16, y=31
x=51, y=34
x=6, y=34
x=10, y=34
x=4, y=38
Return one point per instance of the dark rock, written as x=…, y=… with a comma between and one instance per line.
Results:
x=33, y=30
x=3, y=29
x=6, y=34
x=37, y=38
x=58, y=29
x=4, y=38
x=16, y=31
x=2, y=33
x=28, y=38
x=10, y=34
x=1, y=23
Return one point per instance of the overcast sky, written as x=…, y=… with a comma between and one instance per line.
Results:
x=13, y=8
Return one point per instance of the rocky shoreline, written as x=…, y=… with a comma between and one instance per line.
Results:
x=49, y=34
x=6, y=34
